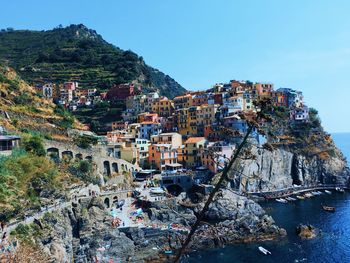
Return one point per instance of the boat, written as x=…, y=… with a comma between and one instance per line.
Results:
x=291, y=199
x=328, y=192
x=168, y=252
x=315, y=193
x=300, y=197
x=264, y=251
x=281, y=200
x=308, y=195
x=340, y=190
x=328, y=208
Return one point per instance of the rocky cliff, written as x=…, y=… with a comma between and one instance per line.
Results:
x=270, y=170
x=84, y=233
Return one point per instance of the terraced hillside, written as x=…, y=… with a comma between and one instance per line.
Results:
x=78, y=53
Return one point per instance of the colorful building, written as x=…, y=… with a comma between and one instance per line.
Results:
x=161, y=155
x=149, y=128
x=192, y=151
x=121, y=91
x=183, y=101
x=163, y=107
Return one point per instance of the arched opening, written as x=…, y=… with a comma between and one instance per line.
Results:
x=67, y=155
x=115, y=167
x=106, y=168
x=88, y=158
x=79, y=156
x=106, y=202
x=174, y=189
x=54, y=154
x=123, y=168
x=115, y=200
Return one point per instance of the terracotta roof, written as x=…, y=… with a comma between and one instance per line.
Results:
x=194, y=139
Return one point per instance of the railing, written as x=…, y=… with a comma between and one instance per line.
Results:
x=291, y=190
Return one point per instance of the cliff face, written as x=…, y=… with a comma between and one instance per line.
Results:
x=84, y=233
x=278, y=169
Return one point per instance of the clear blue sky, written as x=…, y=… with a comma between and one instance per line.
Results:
x=299, y=44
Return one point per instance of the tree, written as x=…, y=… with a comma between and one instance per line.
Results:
x=34, y=144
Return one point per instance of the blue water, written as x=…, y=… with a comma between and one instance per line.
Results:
x=331, y=245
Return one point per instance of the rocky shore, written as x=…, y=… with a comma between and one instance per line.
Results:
x=84, y=233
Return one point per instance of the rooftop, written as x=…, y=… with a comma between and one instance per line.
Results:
x=194, y=139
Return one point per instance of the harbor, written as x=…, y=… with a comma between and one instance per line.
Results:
x=330, y=245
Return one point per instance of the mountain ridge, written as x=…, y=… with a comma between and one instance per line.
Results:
x=77, y=53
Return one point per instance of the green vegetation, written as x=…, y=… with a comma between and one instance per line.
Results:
x=80, y=54
x=67, y=118
x=24, y=177
x=84, y=171
x=34, y=144
x=85, y=141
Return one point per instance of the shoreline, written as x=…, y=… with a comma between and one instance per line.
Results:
x=270, y=195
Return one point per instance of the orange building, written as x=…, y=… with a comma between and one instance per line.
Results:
x=160, y=155
x=163, y=107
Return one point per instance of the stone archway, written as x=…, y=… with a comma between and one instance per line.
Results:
x=106, y=202
x=67, y=155
x=106, y=168
x=79, y=156
x=115, y=200
x=88, y=158
x=115, y=168
x=53, y=153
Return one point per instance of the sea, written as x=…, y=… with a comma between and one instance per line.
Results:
x=332, y=244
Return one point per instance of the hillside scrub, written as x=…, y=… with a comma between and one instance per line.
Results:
x=24, y=178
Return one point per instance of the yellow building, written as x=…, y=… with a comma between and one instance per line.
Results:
x=183, y=124
x=183, y=101
x=205, y=115
x=192, y=151
x=163, y=107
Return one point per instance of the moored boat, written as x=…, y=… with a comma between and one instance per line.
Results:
x=264, y=251
x=308, y=195
x=291, y=199
x=328, y=192
x=281, y=200
x=340, y=190
x=300, y=197
x=328, y=208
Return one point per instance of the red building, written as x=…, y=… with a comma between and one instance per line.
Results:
x=218, y=98
x=121, y=92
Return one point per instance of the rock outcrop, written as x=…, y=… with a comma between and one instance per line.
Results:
x=279, y=169
x=84, y=233
x=306, y=231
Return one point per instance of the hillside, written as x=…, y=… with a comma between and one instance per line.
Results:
x=78, y=53
x=22, y=110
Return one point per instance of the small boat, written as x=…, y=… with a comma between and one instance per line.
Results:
x=328, y=208
x=281, y=200
x=315, y=193
x=300, y=197
x=328, y=192
x=168, y=252
x=308, y=195
x=264, y=251
x=340, y=190
x=291, y=199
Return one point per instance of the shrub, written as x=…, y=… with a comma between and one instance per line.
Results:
x=34, y=144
